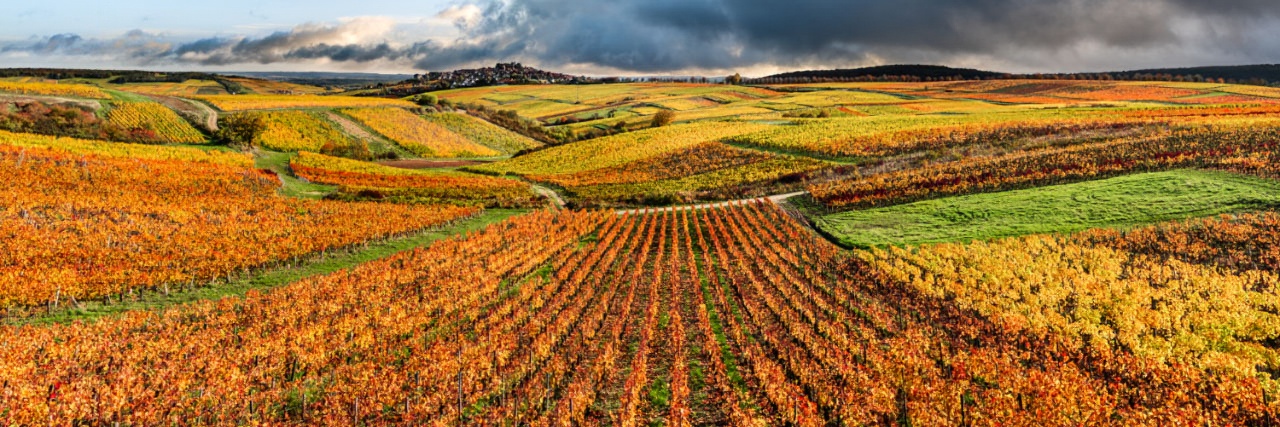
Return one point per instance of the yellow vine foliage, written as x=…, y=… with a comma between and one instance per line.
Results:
x=1112, y=293
x=53, y=89
x=616, y=150
x=422, y=137
x=274, y=102
x=298, y=130
x=122, y=150
x=166, y=125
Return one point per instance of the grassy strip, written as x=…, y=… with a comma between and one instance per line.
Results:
x=278, y=162
x=725, y=350
x=273, y=277
x=1121, y=202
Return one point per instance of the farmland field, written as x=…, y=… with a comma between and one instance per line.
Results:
x=155, y=121
x=688, y=311
x=54, y=89
x=483, y=133
x=1121, y=202
x=294, y=130
x=616, y=150
x=362, y=180
x=423, y=137
x=272, y=102
x=187, y=88
x=141, y=224
x=1026, y=252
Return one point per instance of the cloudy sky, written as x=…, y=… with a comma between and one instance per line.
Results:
x=638, y=37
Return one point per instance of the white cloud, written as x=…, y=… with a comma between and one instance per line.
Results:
x=464, y=16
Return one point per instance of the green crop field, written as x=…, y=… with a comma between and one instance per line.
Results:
x=1121, y=202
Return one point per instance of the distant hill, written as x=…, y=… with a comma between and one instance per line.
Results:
x=323, y=79
x=914, y=71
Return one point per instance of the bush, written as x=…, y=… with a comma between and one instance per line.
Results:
x=426, y=100
x=357, y=151
x=663, y=118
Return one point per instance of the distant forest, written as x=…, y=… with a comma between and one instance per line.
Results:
x=1240, y=74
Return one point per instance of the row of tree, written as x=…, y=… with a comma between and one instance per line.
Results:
x=1161, y=77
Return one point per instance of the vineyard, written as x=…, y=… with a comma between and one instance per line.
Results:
x=156, y=122
x=276, y=102
x=125, y=151
x=667, y=317
x=896, y=134
x=422, y=137
x=935, y=253
x=482, y=132
x=367, y=181
x=1178, y=149
x=616, y=150
x=53, y=89
x=1107, y=293
x=187, y=88
x=86, y=226
x=1067, y=92
x=706, y=171
x=268, y=87
x=300, y=130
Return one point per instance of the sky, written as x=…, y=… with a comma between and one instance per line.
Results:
x=639, y=37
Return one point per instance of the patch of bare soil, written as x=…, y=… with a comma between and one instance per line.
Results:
x=24, y=99
x=199, y=114
x=351, y=127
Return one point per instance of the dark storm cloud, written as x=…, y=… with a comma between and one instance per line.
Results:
x=675, y=35
x=136, y=46
x=669, y=35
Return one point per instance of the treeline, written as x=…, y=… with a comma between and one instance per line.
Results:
x=1145, y=77
x=893, y=72
x=1245, y=74
x=122, y=76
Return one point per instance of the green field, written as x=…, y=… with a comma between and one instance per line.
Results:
x=1120, y=202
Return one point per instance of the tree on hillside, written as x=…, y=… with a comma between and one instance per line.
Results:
x=239, y=130
x=735, y=79
x=663, y=118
